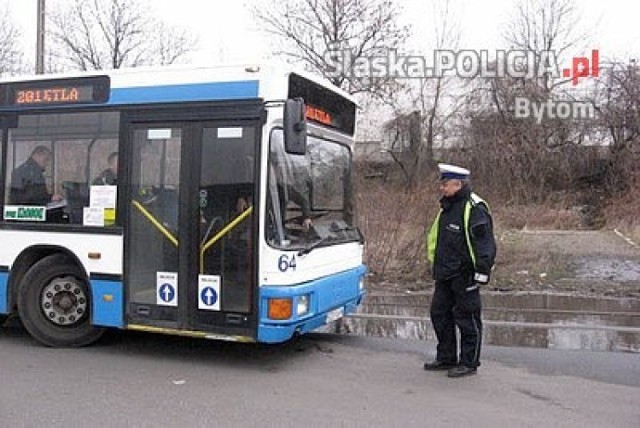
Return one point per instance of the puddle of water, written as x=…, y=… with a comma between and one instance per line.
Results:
x=533, y=320
x=608, y=269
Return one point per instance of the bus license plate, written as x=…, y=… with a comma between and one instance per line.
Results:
x=335, y=314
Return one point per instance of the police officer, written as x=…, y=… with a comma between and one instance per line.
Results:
x=461, y=248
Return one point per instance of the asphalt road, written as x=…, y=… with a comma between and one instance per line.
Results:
x=143, y=380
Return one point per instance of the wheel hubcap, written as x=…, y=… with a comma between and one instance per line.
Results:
x=64, y=302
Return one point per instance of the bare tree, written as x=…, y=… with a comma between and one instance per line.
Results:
x=172, y=44
x=542, y=26
x=433, y=92
x=99, y=34
x=324, y=35
x=432, y=104
x=538, y=156
x=10, y=56
x=617, y=97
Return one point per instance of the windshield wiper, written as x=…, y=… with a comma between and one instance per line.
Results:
x=348, y=229
x=341, y=229
x=321, y=241
x=313, y=246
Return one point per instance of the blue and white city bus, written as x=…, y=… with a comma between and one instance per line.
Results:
x=229, y=215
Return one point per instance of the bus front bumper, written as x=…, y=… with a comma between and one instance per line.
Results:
x=326, y=299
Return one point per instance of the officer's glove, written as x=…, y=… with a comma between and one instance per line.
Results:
x=481, y=278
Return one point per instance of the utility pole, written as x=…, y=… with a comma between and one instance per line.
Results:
x=40, y=39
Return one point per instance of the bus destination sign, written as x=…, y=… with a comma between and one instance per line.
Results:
x=323, y=106
x=59, y=95
x=318, y=115
x=85, y=90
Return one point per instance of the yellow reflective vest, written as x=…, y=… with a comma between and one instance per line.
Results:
x=432, y=236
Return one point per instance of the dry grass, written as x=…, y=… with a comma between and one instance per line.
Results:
x=536, y=217
x=569, y=190
x=523, y=259
x=395, y=221
x=623, y=212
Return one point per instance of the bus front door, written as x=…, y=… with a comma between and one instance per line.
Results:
x=190, y=246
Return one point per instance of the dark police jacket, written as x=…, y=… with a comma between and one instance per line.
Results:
x=28, y=186
x=460, y=244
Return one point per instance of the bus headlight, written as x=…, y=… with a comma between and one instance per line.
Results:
x=302, y=306
x=361, y=283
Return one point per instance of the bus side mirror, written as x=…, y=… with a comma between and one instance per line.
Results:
x=295, y=127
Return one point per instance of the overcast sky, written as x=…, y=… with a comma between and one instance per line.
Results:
x=226, y=29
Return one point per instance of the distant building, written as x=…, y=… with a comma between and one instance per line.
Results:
x=370, y=151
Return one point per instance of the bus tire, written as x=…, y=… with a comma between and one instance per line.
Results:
x=54, y=304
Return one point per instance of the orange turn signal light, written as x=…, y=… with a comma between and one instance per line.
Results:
x=280, y=309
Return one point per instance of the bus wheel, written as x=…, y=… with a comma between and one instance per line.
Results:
x=54, y=304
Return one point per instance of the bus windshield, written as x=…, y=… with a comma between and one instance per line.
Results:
x=309, y=197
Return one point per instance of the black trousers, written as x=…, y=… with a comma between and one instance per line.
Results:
x=457, y=302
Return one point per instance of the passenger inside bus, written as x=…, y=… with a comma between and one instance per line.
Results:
x=77, y=195
x=108, y=177
x=222, y=205
x=28, y=184
x=239, y=242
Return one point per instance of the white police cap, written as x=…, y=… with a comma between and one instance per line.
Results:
x=449, y=172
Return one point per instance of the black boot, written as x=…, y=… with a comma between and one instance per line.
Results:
x=439, y=365
x=460, y=371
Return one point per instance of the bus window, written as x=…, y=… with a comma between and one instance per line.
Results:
x=309, y=201
x=51, y=161
x=155, y=180
x=226, y=198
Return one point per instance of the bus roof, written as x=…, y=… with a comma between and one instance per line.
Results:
x=192, y=83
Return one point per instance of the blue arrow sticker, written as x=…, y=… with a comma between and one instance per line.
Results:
x=209, y=296
x=167, y=293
